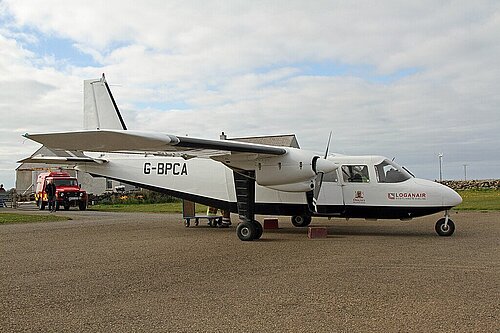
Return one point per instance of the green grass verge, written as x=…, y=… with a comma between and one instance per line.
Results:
x=479, y=200
x=170, y=207
x=9, y=218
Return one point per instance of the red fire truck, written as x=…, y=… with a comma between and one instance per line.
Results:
x=68, y=192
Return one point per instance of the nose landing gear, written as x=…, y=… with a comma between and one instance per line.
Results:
x=445, y=226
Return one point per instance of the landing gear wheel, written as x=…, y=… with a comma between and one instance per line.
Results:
x=246, y=231
x=258, y=230
x=443, y=230
x=301, y=220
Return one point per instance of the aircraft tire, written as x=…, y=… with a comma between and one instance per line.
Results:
x=301, y=221
x=246, y=231
x=258, y=230
x=445, y=231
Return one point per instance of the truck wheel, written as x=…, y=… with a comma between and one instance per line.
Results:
x=66, y=206
x=82, y=205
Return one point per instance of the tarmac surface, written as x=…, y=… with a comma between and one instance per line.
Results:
x=136, y=272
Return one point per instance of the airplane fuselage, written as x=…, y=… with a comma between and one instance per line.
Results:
x=355, y=189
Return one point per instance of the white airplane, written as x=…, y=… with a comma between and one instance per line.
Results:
x=244, y=177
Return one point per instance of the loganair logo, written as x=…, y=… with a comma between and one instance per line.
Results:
x=407, y=196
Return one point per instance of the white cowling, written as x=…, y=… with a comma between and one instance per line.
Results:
x=292, y=172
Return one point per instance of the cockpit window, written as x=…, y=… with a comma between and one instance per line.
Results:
x=355, y=174
x=388, y=172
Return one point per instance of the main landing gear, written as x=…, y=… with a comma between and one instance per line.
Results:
x=445, y=226
x=249, y=229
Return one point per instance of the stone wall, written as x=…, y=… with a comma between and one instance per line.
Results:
x=487, y=184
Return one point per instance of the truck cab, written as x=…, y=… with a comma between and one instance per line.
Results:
x=68, y=191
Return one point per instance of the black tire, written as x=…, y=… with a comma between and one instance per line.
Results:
x=66, y=206
x=445, y=231
x=301, y=221
x=258, y=230
x=82, y=205
x=246, y=231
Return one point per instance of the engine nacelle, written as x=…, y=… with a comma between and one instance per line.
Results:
x=296, y=187
x=296, y=169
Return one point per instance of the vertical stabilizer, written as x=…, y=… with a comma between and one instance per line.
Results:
x=99, y=107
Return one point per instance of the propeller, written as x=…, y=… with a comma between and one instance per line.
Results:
x=319, y=166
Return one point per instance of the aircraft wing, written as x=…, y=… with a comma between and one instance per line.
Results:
x=137, y=141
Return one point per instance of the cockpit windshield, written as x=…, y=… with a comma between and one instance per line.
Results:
x=389, y=172
x=65, y=182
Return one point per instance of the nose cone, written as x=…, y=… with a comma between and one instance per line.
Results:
x=450, y=197
x=324, y=165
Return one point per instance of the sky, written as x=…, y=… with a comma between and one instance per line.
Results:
x=407, y=80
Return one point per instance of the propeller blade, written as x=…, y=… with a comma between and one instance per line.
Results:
x=328, y=145
x=322, y=166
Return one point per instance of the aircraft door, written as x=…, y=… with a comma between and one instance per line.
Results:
x=331, y=199
x=357, y=184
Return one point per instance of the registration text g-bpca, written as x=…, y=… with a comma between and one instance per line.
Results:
x=176, y=169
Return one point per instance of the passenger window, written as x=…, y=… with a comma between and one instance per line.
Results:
x=355, y=174
x=331, y=177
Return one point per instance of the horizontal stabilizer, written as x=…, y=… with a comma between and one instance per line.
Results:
x=58, y=156
x=60, y=160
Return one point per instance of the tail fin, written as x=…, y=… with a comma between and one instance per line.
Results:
x=99, y=107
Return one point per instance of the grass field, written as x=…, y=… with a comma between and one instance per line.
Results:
x=8, y=218
x=479, y=200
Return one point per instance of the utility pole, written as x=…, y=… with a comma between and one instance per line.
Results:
x=465, y=171
x=440, y=156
